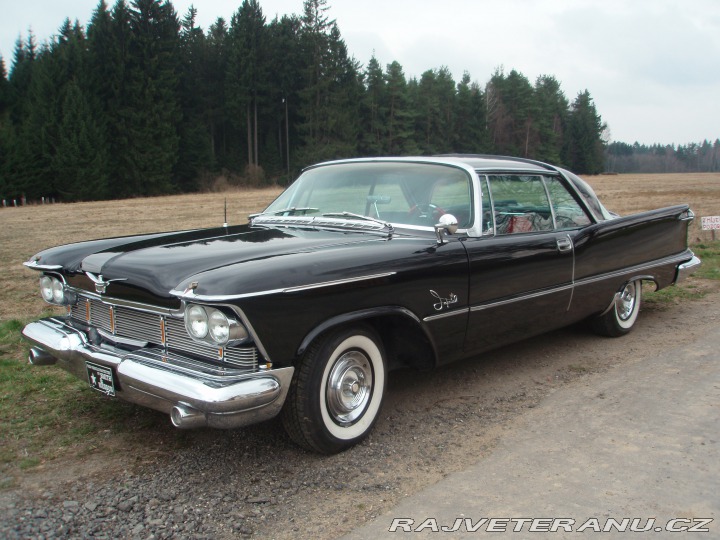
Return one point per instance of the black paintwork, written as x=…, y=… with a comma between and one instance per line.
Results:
x=502, y=288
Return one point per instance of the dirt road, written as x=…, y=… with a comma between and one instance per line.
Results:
x=254, y=482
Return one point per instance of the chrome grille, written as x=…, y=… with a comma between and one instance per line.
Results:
x=147, y=327
x=138, y=325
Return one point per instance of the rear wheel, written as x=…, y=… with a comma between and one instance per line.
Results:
x=621, y=316
x=335, y=396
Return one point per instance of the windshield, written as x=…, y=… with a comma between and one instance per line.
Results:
x=415, y=194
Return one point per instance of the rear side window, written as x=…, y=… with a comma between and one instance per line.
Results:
x=531, y=203
x=520, y=204
x=568, y=212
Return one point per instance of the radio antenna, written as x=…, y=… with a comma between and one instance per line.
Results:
x=225, y=224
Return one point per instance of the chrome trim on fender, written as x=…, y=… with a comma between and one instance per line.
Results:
x=191, y=296
x=35, y=266
x=463, y=311
x=633, y=269
x=521, y=298
x=337, y=282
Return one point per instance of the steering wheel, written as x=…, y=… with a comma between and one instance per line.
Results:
x=425, y=211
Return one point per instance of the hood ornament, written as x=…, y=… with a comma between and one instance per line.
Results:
x=101, y=284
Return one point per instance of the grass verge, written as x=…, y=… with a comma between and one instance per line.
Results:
x=46, y=413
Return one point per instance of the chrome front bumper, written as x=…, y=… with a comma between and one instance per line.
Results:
x=193, y=393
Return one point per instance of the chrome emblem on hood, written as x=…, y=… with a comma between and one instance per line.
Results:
x=101, y=284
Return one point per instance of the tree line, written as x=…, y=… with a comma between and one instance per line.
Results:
x=657, y=158
x=144, y=102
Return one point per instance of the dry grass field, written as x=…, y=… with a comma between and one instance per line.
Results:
x=25, y=231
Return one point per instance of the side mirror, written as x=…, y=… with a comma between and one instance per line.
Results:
x=447, y=224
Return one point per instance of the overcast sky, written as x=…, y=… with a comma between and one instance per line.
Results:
x=652, y=66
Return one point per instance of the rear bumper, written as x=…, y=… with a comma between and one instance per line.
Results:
x=193, y=393
x=687, y=268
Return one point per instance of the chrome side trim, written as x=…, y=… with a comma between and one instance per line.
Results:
x=463, y=311
x=635, y=271
x=35, y=266
x=530, y=296
x=638, y=269
x=337, y=282
x=191, y=296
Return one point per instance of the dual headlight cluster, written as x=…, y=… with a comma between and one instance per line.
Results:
x=53, y=291
x=212, y=325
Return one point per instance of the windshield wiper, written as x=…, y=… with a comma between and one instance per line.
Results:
x=289, y=211
x=359, y=216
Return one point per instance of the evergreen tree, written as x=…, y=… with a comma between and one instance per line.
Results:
x=5, y=132
x=79, y=165
x=152, y=86
x=246, y=76
x=374, y=110
x=194, y=145
x=400, y=116
x=286, y=59
x=469, y=134
x=552, y=107
x=584, y=151
x=216, y=119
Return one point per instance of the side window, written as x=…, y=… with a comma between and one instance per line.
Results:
x=568, y=212
x=520, y=204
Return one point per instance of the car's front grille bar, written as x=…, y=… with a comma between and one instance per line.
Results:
x=159, y=330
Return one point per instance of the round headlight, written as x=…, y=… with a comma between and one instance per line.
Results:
x=46, y=288
x=196, y=321
x=219, y=327
x=58, y=292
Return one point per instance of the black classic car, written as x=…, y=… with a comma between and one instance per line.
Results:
x=359, y=267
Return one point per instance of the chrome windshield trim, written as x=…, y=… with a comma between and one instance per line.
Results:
x=191, y=296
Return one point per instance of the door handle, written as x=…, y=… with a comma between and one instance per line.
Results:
x=564, y=244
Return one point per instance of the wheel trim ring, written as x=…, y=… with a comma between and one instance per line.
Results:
x=625, y=303
x=349, y=388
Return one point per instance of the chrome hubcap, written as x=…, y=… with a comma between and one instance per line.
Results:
x=349, y=387
x=625, y=304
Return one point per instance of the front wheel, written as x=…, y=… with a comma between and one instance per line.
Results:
x=335, y=396
x=621, y=316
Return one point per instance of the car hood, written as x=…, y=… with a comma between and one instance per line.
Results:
x=161, y=263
